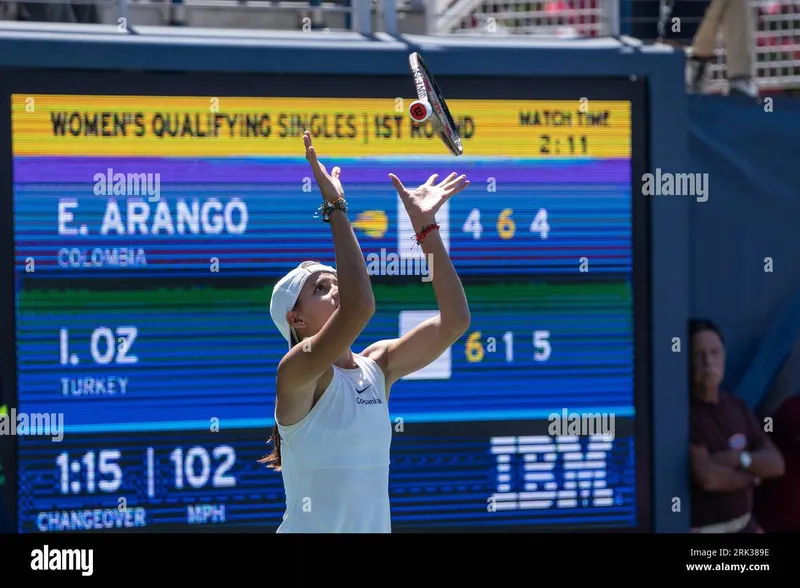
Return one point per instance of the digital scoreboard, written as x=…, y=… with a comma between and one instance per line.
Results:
x=149, y=230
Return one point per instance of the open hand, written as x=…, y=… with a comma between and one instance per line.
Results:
x=329, y=184
x=425, y=201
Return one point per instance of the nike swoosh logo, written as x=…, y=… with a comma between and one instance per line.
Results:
x=360, y=391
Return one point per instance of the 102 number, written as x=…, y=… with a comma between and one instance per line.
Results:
x=194, y=467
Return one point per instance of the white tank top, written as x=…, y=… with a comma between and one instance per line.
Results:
x=335, y=461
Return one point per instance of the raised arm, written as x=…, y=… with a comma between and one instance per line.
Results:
x=422, y=345
x=304, y=364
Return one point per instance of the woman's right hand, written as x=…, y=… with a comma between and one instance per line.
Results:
x=329, y=184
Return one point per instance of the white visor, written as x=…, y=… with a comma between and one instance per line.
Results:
x=285, y=294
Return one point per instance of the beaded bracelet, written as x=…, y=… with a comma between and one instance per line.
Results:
x=326, y=208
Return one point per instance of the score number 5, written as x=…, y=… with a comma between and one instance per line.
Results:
x=506, y=227
x=541, y=343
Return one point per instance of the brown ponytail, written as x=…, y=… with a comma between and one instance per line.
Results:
x=273, y=460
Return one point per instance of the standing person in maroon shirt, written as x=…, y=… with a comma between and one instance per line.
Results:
x=778, y=501
x=729, y=450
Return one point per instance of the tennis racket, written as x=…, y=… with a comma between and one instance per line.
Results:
x=431, y=105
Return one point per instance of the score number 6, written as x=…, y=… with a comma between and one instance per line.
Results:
x=506, y=227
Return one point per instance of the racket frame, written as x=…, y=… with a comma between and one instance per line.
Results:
x=428, y=91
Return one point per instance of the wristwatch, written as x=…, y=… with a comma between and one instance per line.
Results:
x=745, y=459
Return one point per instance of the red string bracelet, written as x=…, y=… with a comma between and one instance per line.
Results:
x=420, y=237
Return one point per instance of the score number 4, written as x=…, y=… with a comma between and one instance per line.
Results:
x=475, y=352
x=506, y=227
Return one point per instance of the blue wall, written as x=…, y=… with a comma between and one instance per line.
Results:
x=753, y=212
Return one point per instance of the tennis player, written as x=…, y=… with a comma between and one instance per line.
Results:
x=333, y=431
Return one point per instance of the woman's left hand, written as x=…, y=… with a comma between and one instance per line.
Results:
x=422, y=203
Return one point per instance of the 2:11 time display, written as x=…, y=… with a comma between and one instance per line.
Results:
x=572, y=145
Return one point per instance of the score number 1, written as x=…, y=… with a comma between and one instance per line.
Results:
x=475, y=351
x=506, y=227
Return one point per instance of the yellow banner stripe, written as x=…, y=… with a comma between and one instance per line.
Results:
x=179, y=126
